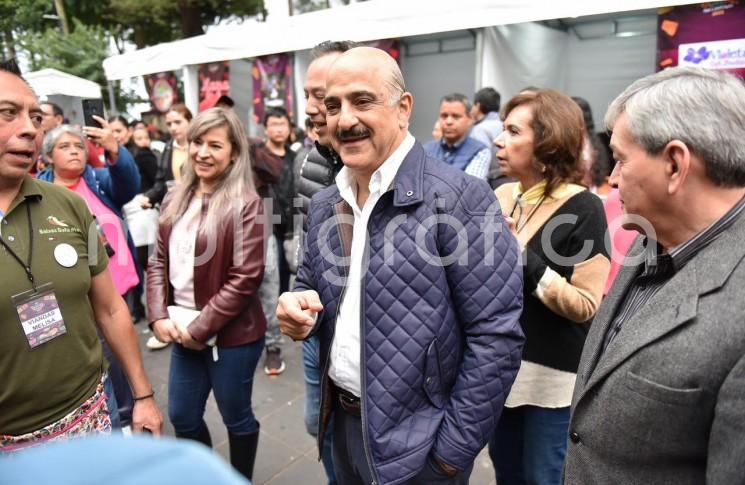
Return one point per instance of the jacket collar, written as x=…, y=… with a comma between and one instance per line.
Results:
x=328, y=153
x=447, y=147
x=672, y=306
x=408, y=185
x=381, y=181
x=47, y=175
x=491, y=115
x=29, y=190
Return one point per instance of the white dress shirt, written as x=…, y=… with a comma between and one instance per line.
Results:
x=345, y=349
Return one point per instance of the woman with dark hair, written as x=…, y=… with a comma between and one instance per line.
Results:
x=594, y=155
x=173, y=157
x=147, y=162
x=202, y=285
x=560, y=227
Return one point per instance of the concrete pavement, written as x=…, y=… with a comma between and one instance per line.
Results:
x=287, y=454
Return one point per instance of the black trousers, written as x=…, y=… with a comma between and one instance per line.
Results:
x=350, y=463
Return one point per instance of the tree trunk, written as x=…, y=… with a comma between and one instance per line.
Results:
x=191, y=20
x=139, y=37
x=59, y=6
x=10, y=43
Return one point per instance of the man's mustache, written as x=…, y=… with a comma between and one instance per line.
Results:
x=356, y=132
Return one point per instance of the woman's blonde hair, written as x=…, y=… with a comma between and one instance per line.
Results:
x=234, y=183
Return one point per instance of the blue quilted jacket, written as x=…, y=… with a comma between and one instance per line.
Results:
x=441, y=339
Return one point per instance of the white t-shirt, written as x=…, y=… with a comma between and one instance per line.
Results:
x=181, y=248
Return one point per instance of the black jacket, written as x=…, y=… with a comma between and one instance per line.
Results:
x=164, y=174
x=147, y=164
x=316, y=172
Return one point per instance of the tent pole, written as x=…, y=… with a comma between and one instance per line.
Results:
x=112, y=103
x=191, y=88
x=479, y=59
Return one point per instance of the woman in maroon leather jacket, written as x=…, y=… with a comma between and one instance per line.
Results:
x=202, y=282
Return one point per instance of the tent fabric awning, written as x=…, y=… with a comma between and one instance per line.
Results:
x=365, y=21
x=50, y=82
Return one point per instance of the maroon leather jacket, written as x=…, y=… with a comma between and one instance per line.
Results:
x=225, y=286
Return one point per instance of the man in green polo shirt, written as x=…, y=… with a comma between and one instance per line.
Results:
x=55, y=288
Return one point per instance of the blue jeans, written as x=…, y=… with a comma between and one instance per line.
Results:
x=194, y=373
x=119, y=397
x=312, y=375
x=108, y=388
x=529, y=445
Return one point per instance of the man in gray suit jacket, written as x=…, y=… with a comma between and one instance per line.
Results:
x=660, y=392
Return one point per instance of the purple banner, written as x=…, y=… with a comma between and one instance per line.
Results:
x=272, y=84
x=709, y=35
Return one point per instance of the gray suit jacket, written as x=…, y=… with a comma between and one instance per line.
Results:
x=665, y=404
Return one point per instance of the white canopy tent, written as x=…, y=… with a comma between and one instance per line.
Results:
x=50, y=82
x=480, y=43
x=365, y=21
x=63, y=89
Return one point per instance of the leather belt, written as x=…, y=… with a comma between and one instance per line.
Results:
x=348, y=401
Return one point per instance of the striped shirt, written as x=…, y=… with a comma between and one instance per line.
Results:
x=660, y=267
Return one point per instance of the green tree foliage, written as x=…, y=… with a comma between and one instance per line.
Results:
x=304, y=6
x=150, y=22
x=28, y=29
x=18, y=16
x=81, y=54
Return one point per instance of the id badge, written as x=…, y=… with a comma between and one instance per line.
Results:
x=39, y=314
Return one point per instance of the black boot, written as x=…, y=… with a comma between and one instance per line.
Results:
x=203, y=436
x=243, y=452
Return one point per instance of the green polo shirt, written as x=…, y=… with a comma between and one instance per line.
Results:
x=41, y=385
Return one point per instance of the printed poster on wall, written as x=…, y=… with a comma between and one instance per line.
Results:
x=162, y=88
x=214, y=81
x=272, y=84
x=710, y=35
x=391, y=46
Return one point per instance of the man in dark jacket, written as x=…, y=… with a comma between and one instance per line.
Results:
x=420, y=347
x=316, y=172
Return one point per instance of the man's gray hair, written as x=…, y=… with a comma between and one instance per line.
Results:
x=457, y=98
x=705, y=109
x=396, y=84
x=53, y=136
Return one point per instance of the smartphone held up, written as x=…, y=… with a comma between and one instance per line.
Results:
x=91, y=108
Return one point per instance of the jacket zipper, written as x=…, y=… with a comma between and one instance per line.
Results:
x=333, y=332
x=363, y=405
x=167, y=270
x=363, y=380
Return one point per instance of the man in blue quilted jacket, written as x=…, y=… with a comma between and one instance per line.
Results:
x=411, y=280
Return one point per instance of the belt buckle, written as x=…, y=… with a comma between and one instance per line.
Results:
x=350, y=404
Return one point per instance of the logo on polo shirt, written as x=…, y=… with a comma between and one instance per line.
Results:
x=56, y=222
x=60, y=226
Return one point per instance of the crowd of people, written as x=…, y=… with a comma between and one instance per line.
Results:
x=514, y=283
